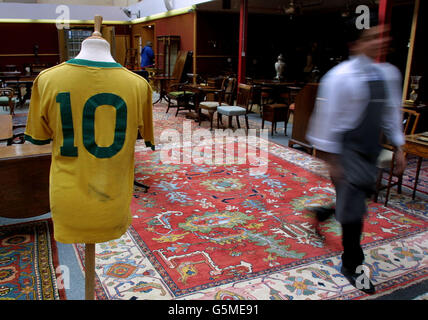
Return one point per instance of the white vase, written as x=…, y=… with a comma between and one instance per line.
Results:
x=279, y=67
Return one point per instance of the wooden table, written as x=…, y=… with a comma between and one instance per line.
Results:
x=278, y=87
x=201, y=91
x=422, y=109
x=16, y=79
x=10, y=75
x=272, y=83
x=163, y=84
x=293, y=91
x=24, y=172
x=418, y=148
x=22, y=80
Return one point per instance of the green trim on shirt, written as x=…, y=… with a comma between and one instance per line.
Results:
x=98, y=64
x=35, y=141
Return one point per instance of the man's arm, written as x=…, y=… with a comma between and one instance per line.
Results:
x=392, y=118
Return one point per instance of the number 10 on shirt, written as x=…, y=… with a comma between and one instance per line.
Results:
x=68, y=148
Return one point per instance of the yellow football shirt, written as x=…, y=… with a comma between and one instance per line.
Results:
x=91, y=111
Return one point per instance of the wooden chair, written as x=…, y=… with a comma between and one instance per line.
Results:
x=256, y=97
x=151, y=76
x=225, y=96
x=240, y=109
x=175, y=94
x=179, y=97
x=196, y=96
x=290, y=97
x=274, y=113
x=259, y=96
x=386, y=159
x=7, y=99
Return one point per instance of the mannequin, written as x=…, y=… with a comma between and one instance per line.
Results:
x=96, y=48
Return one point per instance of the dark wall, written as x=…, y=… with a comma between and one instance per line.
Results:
x=271, y=35
x=217, y=40
x=268, y=36
x=19, y=41
x=21, y=38
x=401, y=23
x=180, y=25
x=419, y=64
x=294, y=37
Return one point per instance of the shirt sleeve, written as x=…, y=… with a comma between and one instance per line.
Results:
x=332, y=114
x=145, y=123
x=37, y=130
x=392, y=116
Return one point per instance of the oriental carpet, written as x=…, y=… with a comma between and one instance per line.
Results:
x=168, y=120
x=28, y=262
x=218, y=232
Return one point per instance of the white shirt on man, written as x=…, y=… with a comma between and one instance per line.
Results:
x=343, y=96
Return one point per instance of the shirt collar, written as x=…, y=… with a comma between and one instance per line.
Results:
x=98, y=64
x=362, y=59
x=367, y=67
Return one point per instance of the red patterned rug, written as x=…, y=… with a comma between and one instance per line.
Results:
x=204, y=225
x=206, y=232
x=28, y=260
x=168, y=120
x=217, y=232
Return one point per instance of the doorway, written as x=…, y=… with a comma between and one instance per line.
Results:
x=146, y=33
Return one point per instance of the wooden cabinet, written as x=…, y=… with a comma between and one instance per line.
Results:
x=167, y=52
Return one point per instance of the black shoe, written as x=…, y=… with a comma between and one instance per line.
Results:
x=323, y=213
x=364, y=285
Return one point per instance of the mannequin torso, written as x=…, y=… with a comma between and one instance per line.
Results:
x=95, y=50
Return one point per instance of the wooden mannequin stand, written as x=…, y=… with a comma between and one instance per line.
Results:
x=90, y=247
x=89, y=271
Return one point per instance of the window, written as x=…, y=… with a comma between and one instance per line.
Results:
x=74, y=38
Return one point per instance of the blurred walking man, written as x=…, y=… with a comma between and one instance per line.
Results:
x=357, y=101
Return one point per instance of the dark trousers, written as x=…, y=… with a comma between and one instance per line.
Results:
x=353, y=255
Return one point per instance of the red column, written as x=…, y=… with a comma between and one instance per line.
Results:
x=243, y=18
x=385, y=8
